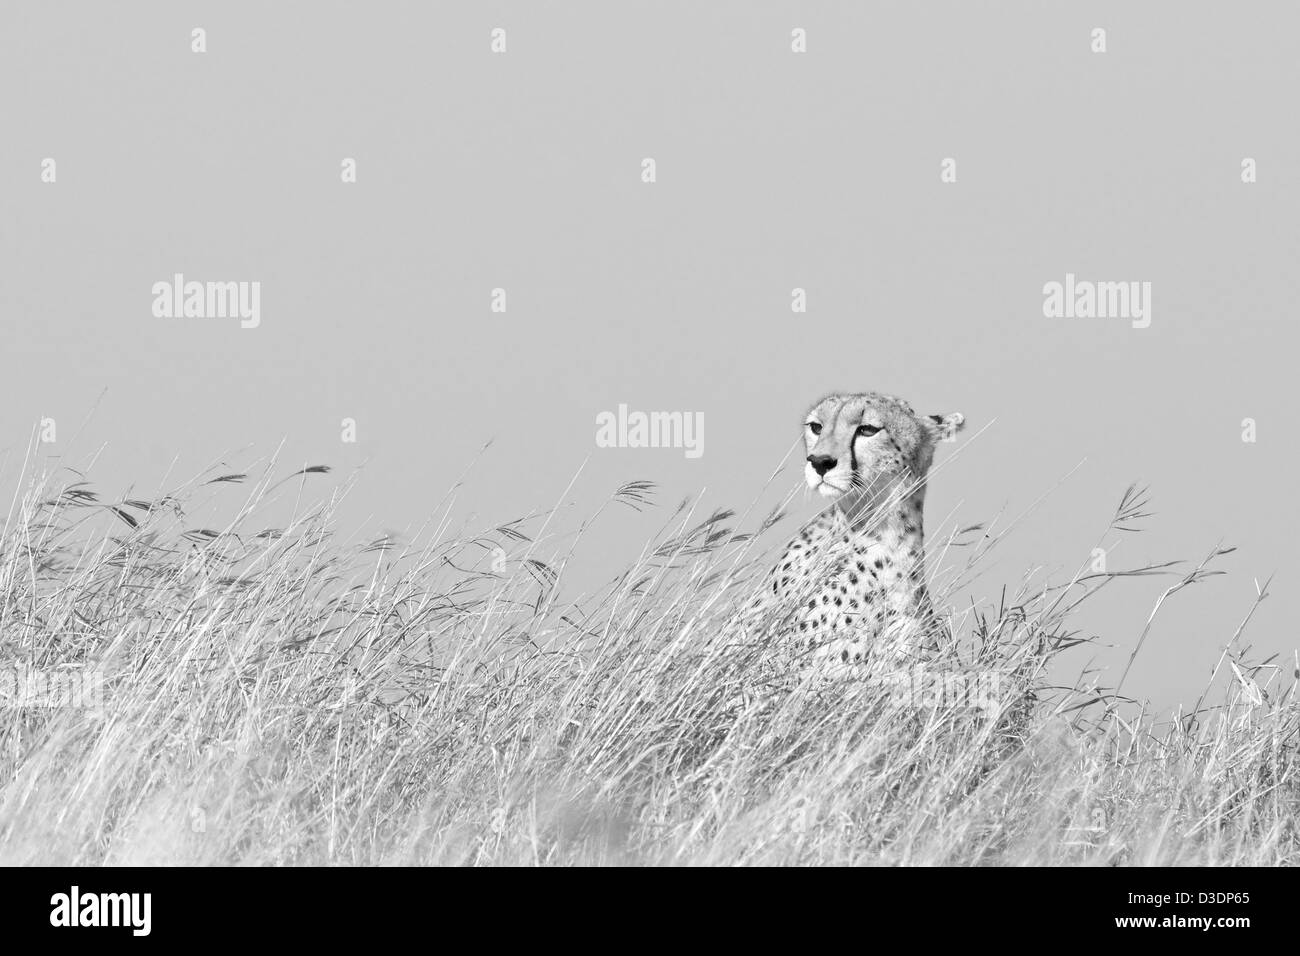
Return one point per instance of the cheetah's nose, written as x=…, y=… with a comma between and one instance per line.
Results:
x=821, y=463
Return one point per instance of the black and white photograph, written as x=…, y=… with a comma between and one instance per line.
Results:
x=639, y=435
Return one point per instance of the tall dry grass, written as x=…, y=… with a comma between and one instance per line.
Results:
x=274, y=696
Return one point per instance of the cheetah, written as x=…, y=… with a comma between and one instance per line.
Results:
x=851, y=586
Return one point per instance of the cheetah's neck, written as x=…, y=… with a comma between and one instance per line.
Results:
x=898, y=527
x=890, y=545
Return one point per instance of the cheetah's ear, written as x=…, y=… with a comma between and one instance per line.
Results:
x=944, y=427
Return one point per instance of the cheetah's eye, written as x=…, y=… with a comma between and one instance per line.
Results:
x=815, y=428
x=866, y=431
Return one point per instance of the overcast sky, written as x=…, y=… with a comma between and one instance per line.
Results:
x=774, y=170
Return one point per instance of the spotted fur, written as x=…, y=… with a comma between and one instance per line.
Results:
x=852, y=584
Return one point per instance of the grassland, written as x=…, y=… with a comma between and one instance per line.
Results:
x=268, y=694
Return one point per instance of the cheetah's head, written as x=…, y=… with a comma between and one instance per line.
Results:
x=871, y=443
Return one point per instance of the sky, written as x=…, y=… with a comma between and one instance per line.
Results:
x=921, y=173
